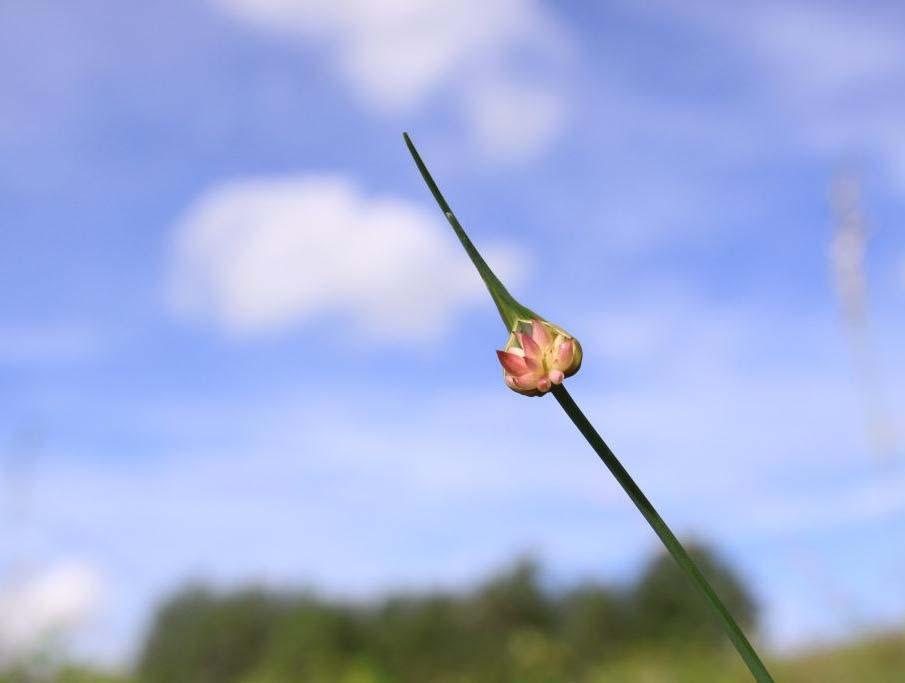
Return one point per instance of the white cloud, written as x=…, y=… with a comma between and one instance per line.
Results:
x=263, y=254
x=396, y=54
x=835, y=68
x=738, y=423
x=840, y=68
x=824, y=50
x=433, y=490
x=733, y=368
x=859, y=502
x=514, y=121
x=438, y=489
x=44, y=606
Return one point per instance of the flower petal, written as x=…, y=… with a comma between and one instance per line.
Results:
x=513, y=363
x=519, y=382
x=556, y=376
x=532, y=350
x=539, y=334
x=564, y=355
x=543, y=384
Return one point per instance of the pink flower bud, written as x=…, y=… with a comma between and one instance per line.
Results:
x=537, y=356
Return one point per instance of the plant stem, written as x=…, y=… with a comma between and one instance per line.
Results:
x=755, y=665
x=510, y=309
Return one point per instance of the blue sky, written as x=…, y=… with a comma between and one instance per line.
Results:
x=239, y=343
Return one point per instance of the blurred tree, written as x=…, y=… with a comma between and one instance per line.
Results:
x=595, y=621
x=508, y=629
x=415, y=638
x=512, y=620
x=200, y=637
x=515, y=599
x=313, y=641
x=665, y=606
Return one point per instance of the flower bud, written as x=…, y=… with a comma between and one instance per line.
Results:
x=538, y=355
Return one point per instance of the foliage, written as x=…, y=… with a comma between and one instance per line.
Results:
x=667, y=608
x=205, y=638
x=510, y=628
x=876, y=660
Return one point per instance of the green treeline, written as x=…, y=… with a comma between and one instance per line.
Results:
x=511, y=628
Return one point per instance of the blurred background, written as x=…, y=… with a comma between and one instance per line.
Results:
x=252, y=427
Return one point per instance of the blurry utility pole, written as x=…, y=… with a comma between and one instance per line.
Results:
x=847, y=260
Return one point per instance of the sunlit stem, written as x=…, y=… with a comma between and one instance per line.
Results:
x=675, y=548
x=510, y=309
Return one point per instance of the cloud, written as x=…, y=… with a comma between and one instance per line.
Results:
x=264, y=254
x=44, y=606
x=433, y=490
x=826, y=51
x=860, y=501
x=514, y=121
x=720, y=411
x=733, y=367
x=840, y=69
x=438, y=488
x=395, y=55
x=834, y=68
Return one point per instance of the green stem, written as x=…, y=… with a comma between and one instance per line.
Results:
x=755, y=665
x=510, y=309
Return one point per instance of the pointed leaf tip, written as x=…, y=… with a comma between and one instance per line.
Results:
x=510, y=310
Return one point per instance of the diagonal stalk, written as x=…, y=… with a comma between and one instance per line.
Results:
x=511, y=311
x=675, y=548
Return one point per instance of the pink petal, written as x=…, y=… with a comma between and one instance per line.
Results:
x=527, y=381
x=543, y=384
x=512, y=363
x=556, y=376
x=564, y=354
x=532, y=350
x=539, y=334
